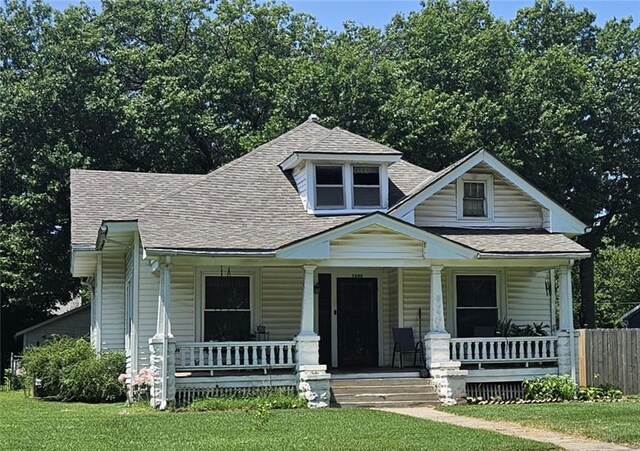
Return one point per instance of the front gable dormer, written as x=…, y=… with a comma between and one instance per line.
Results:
x=342, y=174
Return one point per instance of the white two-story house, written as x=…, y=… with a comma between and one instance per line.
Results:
x=293, y=264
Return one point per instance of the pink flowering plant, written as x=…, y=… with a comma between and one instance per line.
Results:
x=140, y=384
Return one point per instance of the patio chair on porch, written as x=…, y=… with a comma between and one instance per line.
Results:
x=403, y=342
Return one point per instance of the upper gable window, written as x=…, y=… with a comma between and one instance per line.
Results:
x=329, y=187
x=474, y=201
x=475, y=197
x=366, y=186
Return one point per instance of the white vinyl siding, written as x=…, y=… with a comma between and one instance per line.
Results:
x=527, y=298
x=113, y=273
x=183, y=306
x=511, y=207
x=376, y=242
x=416, y=294
x=147, y=311
x=300, y=177
x=281, y=299
x=390, y=312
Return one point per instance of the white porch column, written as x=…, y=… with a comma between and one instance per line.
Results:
x=306, y=320
x=567, y=342
x=450, y=380
x=566, y=309
x=162, y=345
x=313, y=380
x=437, y=303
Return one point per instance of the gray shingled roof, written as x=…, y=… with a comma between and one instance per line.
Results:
x=248, y=204
x=339, y=140
x=511, y=241
x=98, y=195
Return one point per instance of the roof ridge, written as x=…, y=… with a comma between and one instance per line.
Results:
x=220, y=169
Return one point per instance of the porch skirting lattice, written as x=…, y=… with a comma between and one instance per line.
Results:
x=507, y=391
x=185, y=395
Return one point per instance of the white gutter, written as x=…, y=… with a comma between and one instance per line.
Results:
x=156, y=252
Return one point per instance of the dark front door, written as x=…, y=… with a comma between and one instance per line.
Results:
x=357, y=322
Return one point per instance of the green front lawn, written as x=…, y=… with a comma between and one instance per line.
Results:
x=611, y=422
x=33, y=424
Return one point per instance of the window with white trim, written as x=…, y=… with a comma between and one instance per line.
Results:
x=475, y=197
x=476, y=305
x=474, y=201
x=227, y=308
x=366, y=186
x=329, y=187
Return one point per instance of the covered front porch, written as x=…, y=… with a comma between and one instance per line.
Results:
x=330, y=320
x=285, y=320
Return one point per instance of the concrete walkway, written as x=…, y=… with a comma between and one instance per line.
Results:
x=541, y=435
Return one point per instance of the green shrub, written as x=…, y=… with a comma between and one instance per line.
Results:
x=68, y=369
x=549, y=387
x=274, y=399
x=604, y=392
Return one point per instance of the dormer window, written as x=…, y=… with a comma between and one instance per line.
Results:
x=366, y=186
x=475, y=197
x=329, y=187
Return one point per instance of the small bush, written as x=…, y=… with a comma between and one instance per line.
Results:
x=68, y=369
x=275, y=399
x=550, y=387
x=605, y=392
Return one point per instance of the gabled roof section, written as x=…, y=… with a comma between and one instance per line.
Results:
x=561, y=220
x=342, y=144
x=318, y=245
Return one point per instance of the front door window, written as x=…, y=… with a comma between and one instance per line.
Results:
x=477, y=305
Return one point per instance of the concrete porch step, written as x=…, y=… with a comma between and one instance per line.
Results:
x=395, y=404
x=390, y=389
x=384, y=392
x=370, y=397
x=382, y=382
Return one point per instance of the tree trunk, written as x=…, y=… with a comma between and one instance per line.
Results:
x=587, y=292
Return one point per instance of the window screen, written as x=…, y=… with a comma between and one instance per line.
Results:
x=227, y=310
x=473, y=201
x=329, y=187
x=366, y=186
x=477, y=306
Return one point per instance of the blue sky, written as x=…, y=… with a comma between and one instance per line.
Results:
x=332, y=13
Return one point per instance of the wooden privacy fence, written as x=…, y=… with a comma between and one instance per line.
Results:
x=610, y=356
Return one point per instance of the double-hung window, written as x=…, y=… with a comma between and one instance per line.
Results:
x=474, y=201
x=366, y=186
x=475, y=197
x=329, y=187
x=227, y=308
x=477, y=305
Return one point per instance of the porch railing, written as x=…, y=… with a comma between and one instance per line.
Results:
x=504, y=350
x=209, y=356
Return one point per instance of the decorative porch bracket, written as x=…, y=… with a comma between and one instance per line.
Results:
x=449, y=379
x=313, y=379
x=162, y=345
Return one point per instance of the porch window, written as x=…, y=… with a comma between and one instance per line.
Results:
x=474, y=200
x=227, y=309
x=329, y=187
x=477, y=305
x=366, y=186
